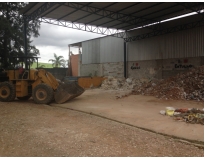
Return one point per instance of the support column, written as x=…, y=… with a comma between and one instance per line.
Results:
x=68, y=60
x=25, y=42
x=79, y=60
x=125, y=60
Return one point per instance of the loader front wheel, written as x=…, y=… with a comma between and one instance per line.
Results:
x=42, y=94
x=7, y=92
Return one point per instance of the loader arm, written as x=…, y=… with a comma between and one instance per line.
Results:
x=48, y=78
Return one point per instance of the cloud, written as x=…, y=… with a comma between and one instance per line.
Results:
x=55, y=39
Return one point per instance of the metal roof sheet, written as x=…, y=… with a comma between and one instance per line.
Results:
x=119, y=15
x=141, y=31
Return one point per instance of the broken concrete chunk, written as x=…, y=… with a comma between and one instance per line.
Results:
x=188, y=85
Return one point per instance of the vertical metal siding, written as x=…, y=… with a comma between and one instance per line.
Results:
x=91, y=51
x=187, y=43
x=111, y=49
x=102, y=50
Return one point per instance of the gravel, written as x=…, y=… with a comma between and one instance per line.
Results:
x=28, y=129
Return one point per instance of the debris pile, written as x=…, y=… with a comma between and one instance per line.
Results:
x=187, y=85
x=121, y=83
x=191, y=115
x=123, y=86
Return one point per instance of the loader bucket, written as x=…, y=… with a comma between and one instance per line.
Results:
x=67, y=91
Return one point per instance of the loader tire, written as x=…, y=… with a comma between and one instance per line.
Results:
x=7, y=92
x=42, y=94
x=23, y=98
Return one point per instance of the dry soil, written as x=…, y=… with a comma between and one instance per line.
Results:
x=29, y=129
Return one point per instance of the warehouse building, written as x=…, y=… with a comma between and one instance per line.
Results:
x=156, y=56
x=141, y=41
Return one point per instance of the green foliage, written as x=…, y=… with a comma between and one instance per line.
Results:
x=41, y=65
x=57, y=61
x=65, y=64
x=11, y=32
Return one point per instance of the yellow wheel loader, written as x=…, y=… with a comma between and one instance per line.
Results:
x=39, y=84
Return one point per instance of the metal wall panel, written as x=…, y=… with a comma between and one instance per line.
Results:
x=111, y=49
x=187, y=43
x=91, y=51
x=102, y=50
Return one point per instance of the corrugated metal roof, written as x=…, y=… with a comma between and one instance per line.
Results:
x=119, y=15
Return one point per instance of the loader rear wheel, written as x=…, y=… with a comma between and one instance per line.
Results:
x=42, y=94
x=7, y=92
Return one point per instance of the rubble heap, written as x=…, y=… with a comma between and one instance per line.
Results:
x=121, y=83
x=187, y=85
x=190, y=116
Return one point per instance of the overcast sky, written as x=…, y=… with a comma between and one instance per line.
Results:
x=55, y=39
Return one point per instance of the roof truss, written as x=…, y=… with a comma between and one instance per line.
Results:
x=123, y=21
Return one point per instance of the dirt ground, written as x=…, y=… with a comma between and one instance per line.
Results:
x=29, y=129
x=138, y=110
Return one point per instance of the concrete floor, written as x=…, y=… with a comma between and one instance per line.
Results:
x=137, y=110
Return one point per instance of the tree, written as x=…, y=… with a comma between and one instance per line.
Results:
x=11, y=32
x=57, y=61
x=65, y=64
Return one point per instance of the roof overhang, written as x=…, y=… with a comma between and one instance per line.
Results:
x=118, y=15
x=78, y=44
x=115, y=18
x=142, y=33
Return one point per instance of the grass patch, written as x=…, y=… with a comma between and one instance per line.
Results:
x=46, y=65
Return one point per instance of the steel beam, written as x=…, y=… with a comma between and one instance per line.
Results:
x=118, y=11
x=37, y=13
x=72, y=12
x=51, y=10
x=148, y=7
x=92, y=13
x=149, y=21
x=159, y=17
x=124, y=18
x=170, y=13
x=30, y=7
x=103, y=13
x=151, y=27
x=193, y=8
x=165, y=31
x=94, y=29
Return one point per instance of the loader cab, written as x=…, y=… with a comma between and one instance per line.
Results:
x=20, y=68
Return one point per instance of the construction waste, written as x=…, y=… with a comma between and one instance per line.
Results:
x=188, y=85
x=189, y=115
